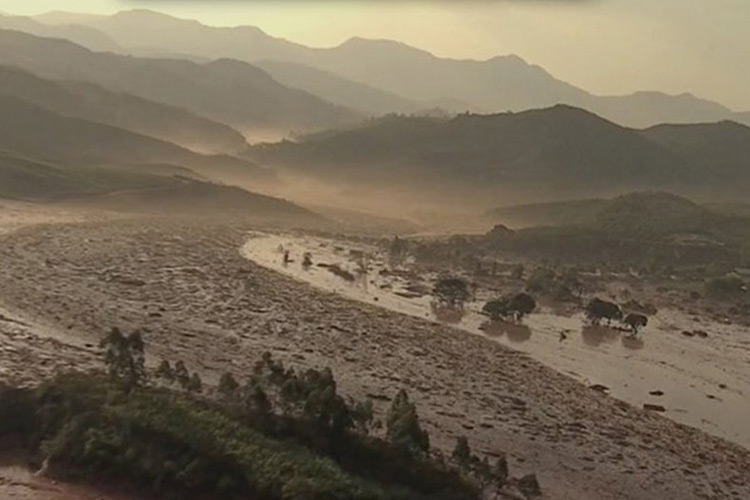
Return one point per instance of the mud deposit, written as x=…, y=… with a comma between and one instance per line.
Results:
x=19, y=483
x=703, y=382
x=198, y=299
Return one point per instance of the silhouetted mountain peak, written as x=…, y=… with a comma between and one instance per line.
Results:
x=383, y=48
x=151, y=16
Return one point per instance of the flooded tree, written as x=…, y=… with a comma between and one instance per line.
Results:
x=452, y=292
x=635, y=321
x=598, y=309
x=513, y=307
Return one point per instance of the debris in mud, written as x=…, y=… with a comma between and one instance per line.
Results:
x=599, y=388
x=695, y=333
x=656, y=393
x=653, y=407
x=11, y=320
x=341, y=273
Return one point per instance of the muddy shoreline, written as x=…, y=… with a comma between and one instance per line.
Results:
x=197, y=299
x=703, y=382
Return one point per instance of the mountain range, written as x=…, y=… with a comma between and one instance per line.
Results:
x=558, y=152
x=49, y=157
x=370, y=118
x=387, y=76
x=645, y=214
x=228, y=91
x=95, y=103
x=30, y=131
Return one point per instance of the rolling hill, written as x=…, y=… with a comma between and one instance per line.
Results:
x=75, y=32
x=639, y=214
x=24, y=178
x=94, y=103
x=555, y=151
x=48, y=157
x=29, y=131
x=228, y=91
x=721, y=148
x=188, y=197
x=647, y=230
x=339, y=90
x=135, y=190
x=498, y=84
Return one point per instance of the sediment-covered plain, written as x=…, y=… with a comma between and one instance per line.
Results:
x=186, y=285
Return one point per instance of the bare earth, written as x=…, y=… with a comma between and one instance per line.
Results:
x=197, y=299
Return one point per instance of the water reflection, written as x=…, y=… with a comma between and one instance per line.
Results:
x=515, y=332
x=446, y=313
x=596, y=335
x=493, y=328
x=633, y=343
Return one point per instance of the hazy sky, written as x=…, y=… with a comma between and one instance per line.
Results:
x=604, y=46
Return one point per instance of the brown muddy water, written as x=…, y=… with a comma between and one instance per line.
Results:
x=702, y=382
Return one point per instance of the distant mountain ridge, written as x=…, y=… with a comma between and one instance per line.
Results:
x=49, y=157
x=555, y=149
x=722, y=148
x=34, y=132
x=94, y=103
x=642, y=214
x=77, y=33
x=503, y=83
x=228, y=91
x=553, y=153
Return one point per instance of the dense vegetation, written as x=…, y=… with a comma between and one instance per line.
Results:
x=279, y=435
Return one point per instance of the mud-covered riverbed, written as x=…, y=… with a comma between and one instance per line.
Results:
x=702, y=382
x=196, y=299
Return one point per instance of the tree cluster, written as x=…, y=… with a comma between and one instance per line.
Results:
x=510, y=307
x=598, y=310
x=452, y=292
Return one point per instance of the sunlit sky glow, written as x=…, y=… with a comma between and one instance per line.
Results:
x=604, y=46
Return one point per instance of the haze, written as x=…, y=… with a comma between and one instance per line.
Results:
x=607, y=46
x=382, y=250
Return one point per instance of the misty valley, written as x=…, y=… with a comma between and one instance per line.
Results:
x=234, y=266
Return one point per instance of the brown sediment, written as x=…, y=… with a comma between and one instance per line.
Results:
x=198, y=300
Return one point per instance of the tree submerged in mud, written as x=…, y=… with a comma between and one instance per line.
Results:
x=635, y=321
x=598, y=310
x=452, y=292
x=510, y=307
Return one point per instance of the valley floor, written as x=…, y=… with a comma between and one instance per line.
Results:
x=197, y=299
